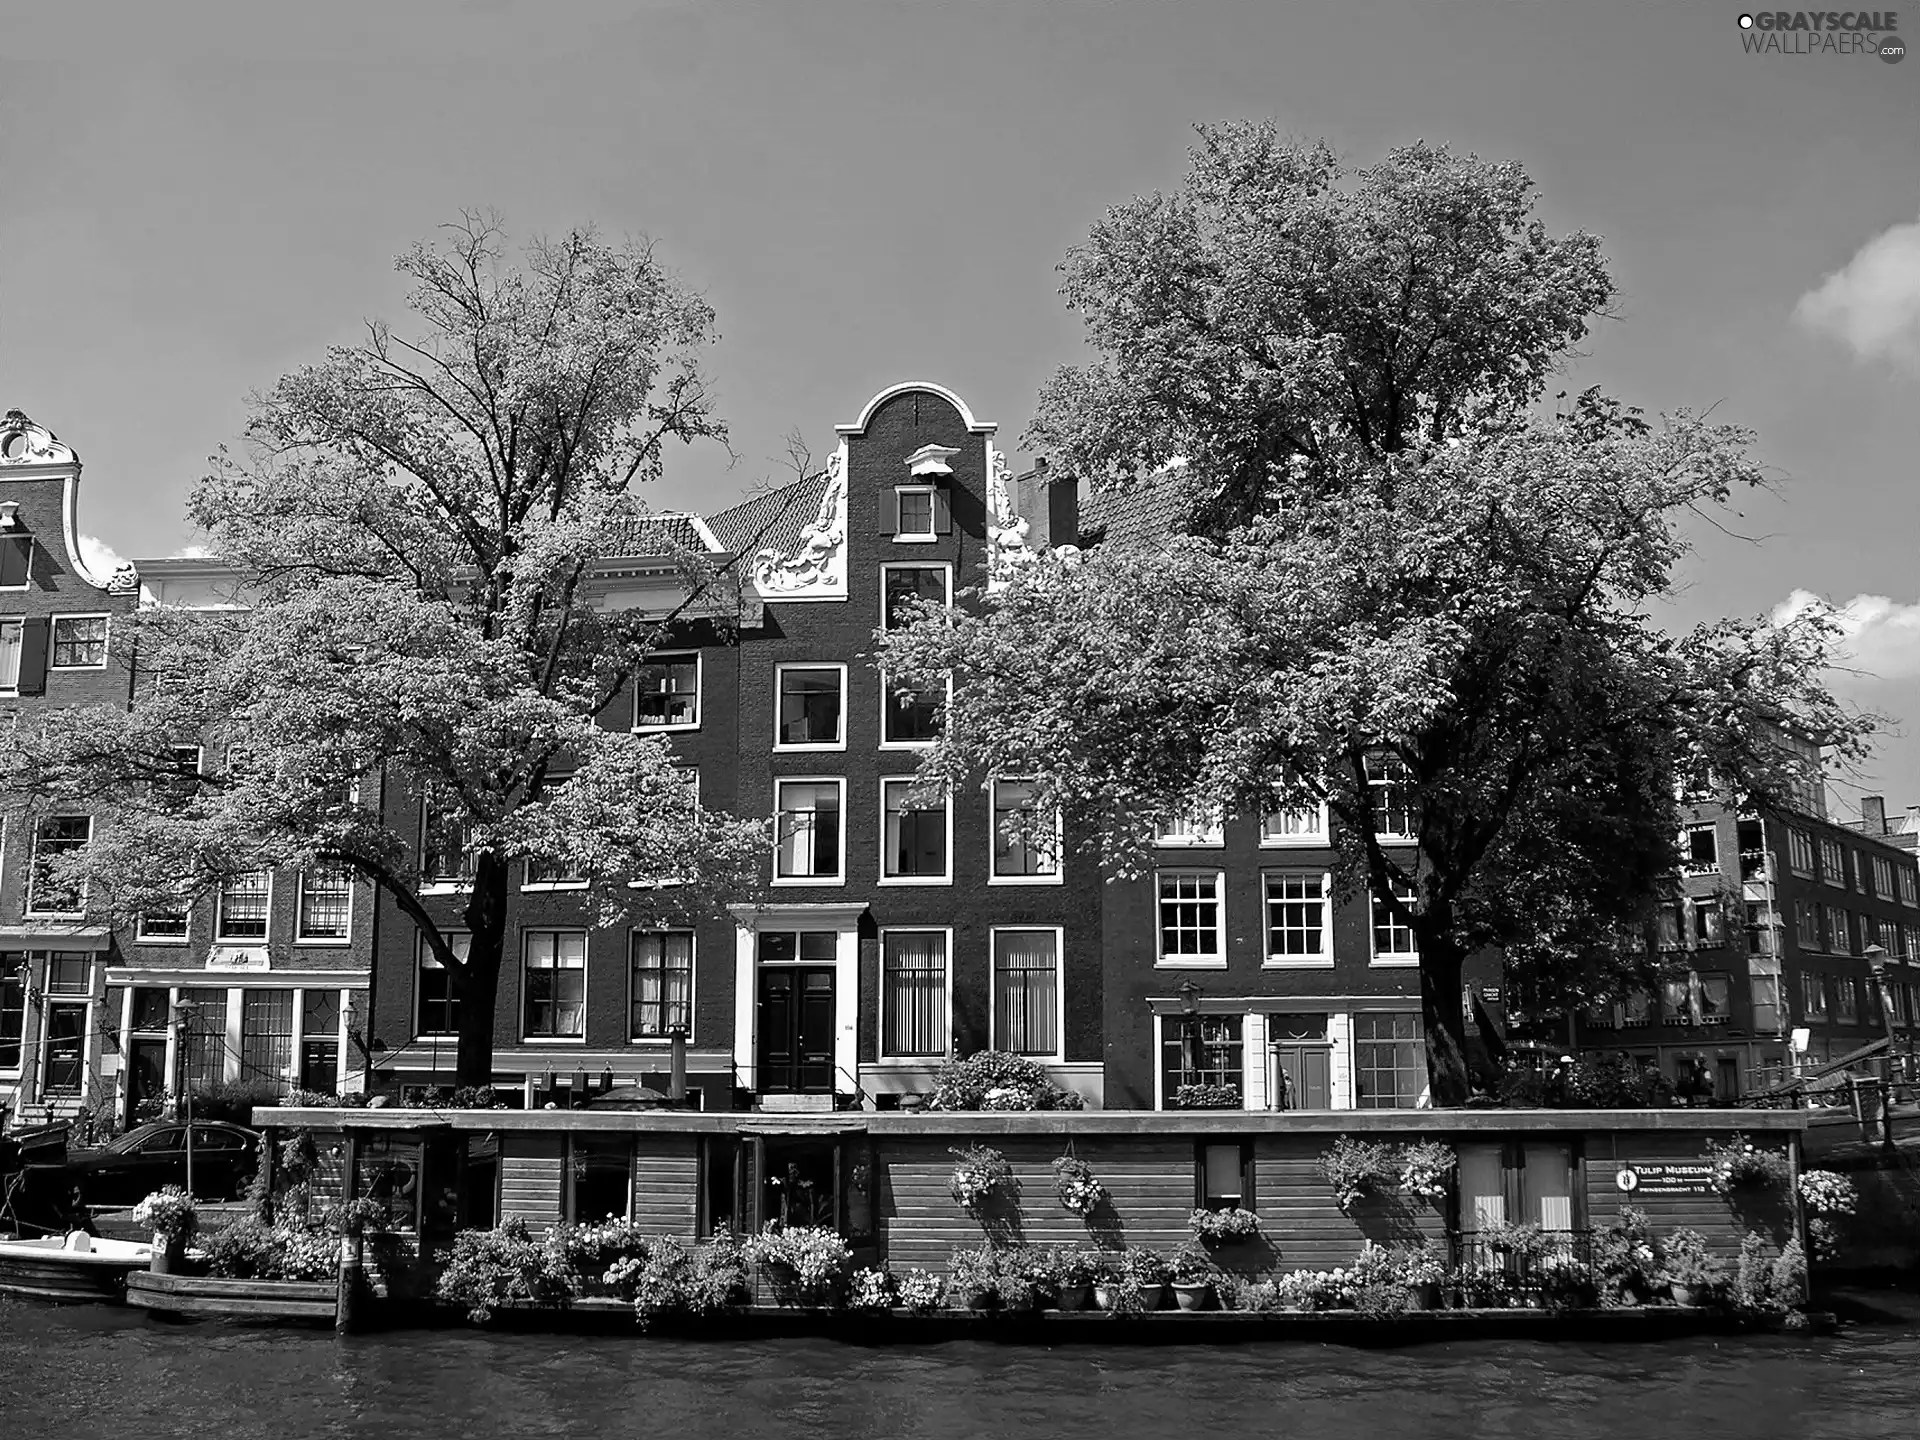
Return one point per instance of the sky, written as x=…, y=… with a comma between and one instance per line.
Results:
x=202, y=196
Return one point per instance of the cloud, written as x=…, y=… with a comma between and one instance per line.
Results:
x=99, y=557
x=1872, y=303
x=1879, y=635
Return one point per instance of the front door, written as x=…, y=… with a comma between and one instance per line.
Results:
x=146, y=1077
x=1305, y=1077
x=796, y=1030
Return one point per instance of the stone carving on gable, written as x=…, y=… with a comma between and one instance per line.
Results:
x=125, y=580
x=818, y=561
x=1007, y=547
x=24, y=443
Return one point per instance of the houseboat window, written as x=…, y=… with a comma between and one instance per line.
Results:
x=389, y=1172
x=720, y=1185
x=1389, y=1062
x=601, y=1178
x=913, y=994
x=1223, y=1172
x=1200, y=1051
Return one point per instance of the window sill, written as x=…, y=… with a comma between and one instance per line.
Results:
x=1220, y=844
x=446, y=887
x=240, y=940
x=1394, y=962
x=792, y=882
x=907, y=745
x=327, y=944
x=176, y=941
x=436, y=1038
x=76, y=669
x=559, y=1040
x=916, y=539
x=62, y=915
x=907, y=1062
x=912, y=881
x=810, y=747
x=1296, y=842
x=657, y=1042
x=544, y=886
x=1289, y=962
x=1055, y=879
x=663, y=729
x=1179, y=962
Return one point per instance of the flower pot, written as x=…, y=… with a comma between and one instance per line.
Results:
x=1193, y=1297
x=1152, y=1297
x=1103, y=1296
x=169, y=1254
x=1075, y=1297
x=981, y=1300
x=1425, y=1297
x=1684, y=1295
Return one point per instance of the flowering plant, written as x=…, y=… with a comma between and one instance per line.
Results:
x=1013, y=1081
x=168, y=1211
x=1421, y=1264
x=1827, y=1192
x=807, y=1265
x=1206, y=1097
x=1741, y=1165
x=921, y=1291
x=1074, y=1182
x=1224, y=1226
x=1358, y=1168
x=356, y=1217
x=1072, y=1265
x=983, y=1174
x=1624, y=1259
x=872, y=1290
x=1424, y=1170
x=1312, y=1289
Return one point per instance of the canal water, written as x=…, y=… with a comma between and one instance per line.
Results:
x=72, y=1374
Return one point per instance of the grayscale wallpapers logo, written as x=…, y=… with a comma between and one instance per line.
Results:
x=1824, y=32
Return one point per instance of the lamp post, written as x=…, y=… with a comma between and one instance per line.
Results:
x=182, y=1028
x=1877, y=963
x=1190, y=993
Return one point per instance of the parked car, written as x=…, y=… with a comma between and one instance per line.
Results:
x=128, y=1169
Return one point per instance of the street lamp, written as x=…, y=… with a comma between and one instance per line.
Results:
x=1877, y=962
x=182, y=1028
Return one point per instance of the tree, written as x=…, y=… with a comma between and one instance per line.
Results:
x=419, y=524
x=1414, y=599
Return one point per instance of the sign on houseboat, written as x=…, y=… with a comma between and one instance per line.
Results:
x=1664, y=1177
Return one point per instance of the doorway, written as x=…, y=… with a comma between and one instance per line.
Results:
x=1306, y=1077
x=795, y=1030
x=146, y=1077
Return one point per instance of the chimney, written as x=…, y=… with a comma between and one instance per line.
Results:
x=1911, y=826
x=1050, y=505
x=1873, y=810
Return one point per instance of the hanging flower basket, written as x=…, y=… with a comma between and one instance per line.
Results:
x=1073, y=1181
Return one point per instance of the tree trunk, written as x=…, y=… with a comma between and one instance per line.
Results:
x=1441, y=967
x=479, y=978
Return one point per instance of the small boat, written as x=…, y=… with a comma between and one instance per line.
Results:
x=78, y=1266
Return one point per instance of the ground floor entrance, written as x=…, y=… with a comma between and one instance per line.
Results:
x=795, y=1027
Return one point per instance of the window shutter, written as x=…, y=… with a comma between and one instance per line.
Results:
x=889, y=512
x=942, y=511
x=34, y=633
x=16, y=553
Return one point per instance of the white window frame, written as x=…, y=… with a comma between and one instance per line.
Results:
x=1057, y=876
x=1215, y=961
x=220, y=913
x=1195, y=831
x=33, y=867
x=300, y=911
x=1272, y=961
x=802, y=747
x=699, y=694
x=440, y=885
x=1796, y=840
x=693, y=980
x=1057, y=1055
x=944, y=566
x=425, y=959
x=839, y=877
x=18, y=623
x=886, y=744
x=880, y=1040
x=586, y=957
x=918, y=537
x=946, y=877
x=1387, y=837
x=1390, y=958
x=53, y=641
x=1320, y=835
x=141, y=936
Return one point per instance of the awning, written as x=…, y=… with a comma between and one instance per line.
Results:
x=53, y=935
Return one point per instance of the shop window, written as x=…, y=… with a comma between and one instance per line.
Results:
x=1389, y=1062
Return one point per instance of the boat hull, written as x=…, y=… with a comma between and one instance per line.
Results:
x=45, y=1271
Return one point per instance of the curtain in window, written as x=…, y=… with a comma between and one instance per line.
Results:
x=206, y=1036
x=266, y=1035
x=913, y=1001
x=556, y=983
x=1026, y=991
x=662, y=982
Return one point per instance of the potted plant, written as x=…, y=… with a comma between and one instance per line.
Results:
x=1147, y=1275
x=1359, y=1169
x=1019, y=1277
x=1829, y=1198
x=1232, y=1226
x=1202, y=1096
x=1693, y=1274
x=1295, y=1290
x=1109, y=1277
x=1073, y=1181
x=1426, y=1167
x=1625, y=1263
x=1072, y=1269
x=974, y=1278
x=1192, y=1281
x=1740, y=1165
x=168, y=1215
x=1422, y=1270
x=921, y=1291
x=982, y=1177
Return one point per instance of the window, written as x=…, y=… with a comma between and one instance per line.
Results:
x=1839, y=932
x=1636, y=1009
x=178, y=780
x=556, y=985
x=163, y=925
x=1833, y=863
x=58, y=837
x=266, y=1035
x=903, y=584
x=326, y=903
x=79, y=642
x=65, y=1064
x=1303, y=826
x=553, y=871
x=320, y=1040
x=809, y=947
x=243, y=906
x=1909, y=885
x=1026, y=992
x=12, y=641
x=913, y=994
x=600, y=1178
x=1883, y=877
x=812, y=707
x=911, y=717
x=916, y=513
x=69, y=972
x=1716, y=999
x=1393, y=942
x=1025, y=845
x=1766, y=1002
x=1670, y=925
x=444, y=859
x=1222, y=1176
x=1806, y=925
x=1759, y=927
x=914, y=836
x=1297, y=930
x=1389, y=1062
x=808, y=830
x=1192, y=929
x=1709, y=927
x=206, y=1037
x=1193, y=829
x=13, y=1006
x=666, y=693
x=1800, y=852
x=1813, y=997
x=1846, y=997
x=437, y=1002
x=662, y=983
x=1702, y=848
x=16, y=561
x=1677, y=1001
x=1393, y=809
x=1200, y=1050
